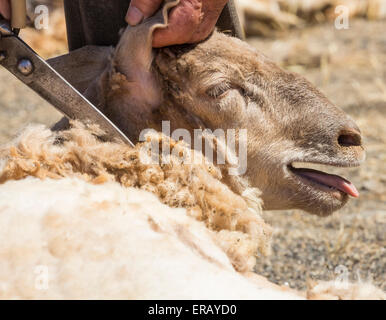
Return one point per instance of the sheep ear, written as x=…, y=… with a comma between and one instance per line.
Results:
x=133, y=56
x=128, y=80
x=134, y=50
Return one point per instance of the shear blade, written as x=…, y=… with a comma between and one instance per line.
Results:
x=52, y=87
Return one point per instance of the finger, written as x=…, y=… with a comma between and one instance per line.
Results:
x=141, y=9
x=184, y=21
x=5, y=9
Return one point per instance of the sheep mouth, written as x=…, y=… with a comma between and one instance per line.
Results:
x=314, y=175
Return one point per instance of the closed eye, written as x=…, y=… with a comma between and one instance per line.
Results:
x=221, y=90
x=218, y=90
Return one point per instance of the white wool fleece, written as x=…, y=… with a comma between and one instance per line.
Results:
x=68, y=239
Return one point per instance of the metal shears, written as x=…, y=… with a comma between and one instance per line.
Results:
x=24, y=63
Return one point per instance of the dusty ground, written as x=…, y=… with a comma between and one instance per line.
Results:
x=350, y=68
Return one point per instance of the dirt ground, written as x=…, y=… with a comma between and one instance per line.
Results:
x=349, y=66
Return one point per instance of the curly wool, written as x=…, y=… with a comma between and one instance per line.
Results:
x=238, y=228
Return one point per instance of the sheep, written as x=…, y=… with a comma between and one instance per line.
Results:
x=291, y=126
x=83, y=211
x=196, y=187
x=85, y=219
x=86, y=187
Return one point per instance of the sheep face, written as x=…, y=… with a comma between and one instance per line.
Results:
x=291, y=126
x=223, y=83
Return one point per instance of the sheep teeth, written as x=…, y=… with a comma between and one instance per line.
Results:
x=330, y=169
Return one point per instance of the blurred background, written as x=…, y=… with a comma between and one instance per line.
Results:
x=348, y=65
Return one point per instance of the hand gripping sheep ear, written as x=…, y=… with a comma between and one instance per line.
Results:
x=131, y=73
x=134, y=53
x=122, y=76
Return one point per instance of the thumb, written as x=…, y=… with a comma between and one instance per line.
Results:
x=141, y=9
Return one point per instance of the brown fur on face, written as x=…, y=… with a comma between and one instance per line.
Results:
x=223, y=83
x=227, y=84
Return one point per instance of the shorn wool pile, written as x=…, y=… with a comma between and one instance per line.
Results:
x=83, y=219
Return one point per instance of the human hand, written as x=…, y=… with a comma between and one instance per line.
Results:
x=189, y=22
x=5, y=9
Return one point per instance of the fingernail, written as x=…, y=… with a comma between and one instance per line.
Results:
x=134, y=16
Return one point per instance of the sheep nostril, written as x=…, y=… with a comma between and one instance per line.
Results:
x=350, y=138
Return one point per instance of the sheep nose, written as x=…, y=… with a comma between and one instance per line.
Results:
x=350, y=137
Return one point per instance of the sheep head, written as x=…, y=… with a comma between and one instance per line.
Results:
x=223, y=83
x=293, y=128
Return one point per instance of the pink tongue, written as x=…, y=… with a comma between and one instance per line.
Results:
x=333, y=181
